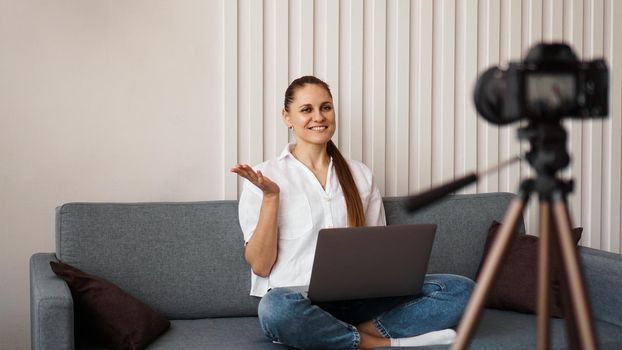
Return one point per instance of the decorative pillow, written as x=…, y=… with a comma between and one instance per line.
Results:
x=106, y=313
x=515, y=287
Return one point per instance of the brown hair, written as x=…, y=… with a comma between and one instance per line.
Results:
x=354, y=205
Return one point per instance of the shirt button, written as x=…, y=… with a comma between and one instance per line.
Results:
x=327, y=199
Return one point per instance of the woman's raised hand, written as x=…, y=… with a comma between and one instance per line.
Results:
x=256, y=178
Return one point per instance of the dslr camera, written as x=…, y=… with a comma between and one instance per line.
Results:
x=549, y=85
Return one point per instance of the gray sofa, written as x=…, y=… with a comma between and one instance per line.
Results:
x=186, y=261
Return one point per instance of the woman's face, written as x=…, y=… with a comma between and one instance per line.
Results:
x=311, y=114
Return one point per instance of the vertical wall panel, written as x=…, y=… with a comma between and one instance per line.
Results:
x=351, y=79
x=466, y=73
x=573, y=32
x=251, y=54
x=532, y=33
x=402, y=74
x=553, y=23
x=511, y=50
x=276, y=76
x=374, y=87
x=300, y=38
x=421, y=96
x=326, y=62
x=256, y=96
x=230, y=95
x=593, y=133
x=488, y=55
x=398, y=96
x=443, y=75
x=612, y=140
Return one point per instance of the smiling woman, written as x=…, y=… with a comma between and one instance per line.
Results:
x=284, y=204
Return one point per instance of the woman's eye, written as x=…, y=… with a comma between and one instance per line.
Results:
x=327, y=108
x=306, y=110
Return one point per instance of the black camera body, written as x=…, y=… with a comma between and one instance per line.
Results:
x=549, y=85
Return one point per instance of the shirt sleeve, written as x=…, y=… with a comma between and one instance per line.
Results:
x=374, y=213
x=249, y=207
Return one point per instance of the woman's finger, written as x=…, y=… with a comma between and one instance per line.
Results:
x=243, y=171
x=250, y=174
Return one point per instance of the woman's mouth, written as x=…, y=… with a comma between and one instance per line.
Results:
x=318, y=128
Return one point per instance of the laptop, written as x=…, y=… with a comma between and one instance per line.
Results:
x=369, y=262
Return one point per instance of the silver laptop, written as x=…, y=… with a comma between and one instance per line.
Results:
x=370, y=262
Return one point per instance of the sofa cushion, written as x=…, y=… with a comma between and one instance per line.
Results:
x=463, y=221
x=108, y=314
x=497, y=330
x=184, y=259
x=515, y=286
x=509, y=330
x=230, y=333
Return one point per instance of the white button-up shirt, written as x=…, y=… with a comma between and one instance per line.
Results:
x=304, y=208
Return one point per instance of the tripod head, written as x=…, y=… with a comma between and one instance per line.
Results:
x=547, y=156
x=548, y=152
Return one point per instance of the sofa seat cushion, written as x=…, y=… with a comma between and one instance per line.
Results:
x=498, y=330
x=231, y=333
x=510, y=330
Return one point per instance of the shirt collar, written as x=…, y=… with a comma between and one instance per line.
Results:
x=287, y=151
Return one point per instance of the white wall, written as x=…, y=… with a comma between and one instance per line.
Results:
x=155, y=100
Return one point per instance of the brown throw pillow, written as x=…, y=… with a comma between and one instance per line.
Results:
x=515, y=287
x=104, y=312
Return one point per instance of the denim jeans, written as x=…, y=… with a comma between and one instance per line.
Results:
x=290, y=318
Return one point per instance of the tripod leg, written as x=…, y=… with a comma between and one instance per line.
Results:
x=488, y=272
x=569, y=314
x=573, y=274
x=544, y=275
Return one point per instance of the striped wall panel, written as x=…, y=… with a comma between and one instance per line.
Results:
x=402, y=74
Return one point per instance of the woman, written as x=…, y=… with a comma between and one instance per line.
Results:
x=284, y=204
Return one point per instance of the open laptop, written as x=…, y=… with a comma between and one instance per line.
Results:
x=370, y=262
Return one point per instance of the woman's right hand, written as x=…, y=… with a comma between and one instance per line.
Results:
x=267, y=186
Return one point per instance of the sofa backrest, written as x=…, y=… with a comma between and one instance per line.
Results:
x=463, y=222
x=186, y=259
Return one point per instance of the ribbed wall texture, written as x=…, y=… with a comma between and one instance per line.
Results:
x=402, y=74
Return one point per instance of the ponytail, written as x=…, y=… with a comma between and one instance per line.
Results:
x=354, y=204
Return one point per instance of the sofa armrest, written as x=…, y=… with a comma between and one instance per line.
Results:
x=51, y=306
x=603, y=279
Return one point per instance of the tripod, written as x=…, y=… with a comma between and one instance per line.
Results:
x=547, y=156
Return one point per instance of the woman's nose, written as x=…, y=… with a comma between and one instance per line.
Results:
x=319, y=115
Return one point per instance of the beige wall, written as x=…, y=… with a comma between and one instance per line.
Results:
x=100, y=101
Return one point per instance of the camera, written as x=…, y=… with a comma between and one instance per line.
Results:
x=550, y=84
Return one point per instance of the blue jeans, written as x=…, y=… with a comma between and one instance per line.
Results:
x=290, y=318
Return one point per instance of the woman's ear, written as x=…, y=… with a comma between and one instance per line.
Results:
x=285, y=117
